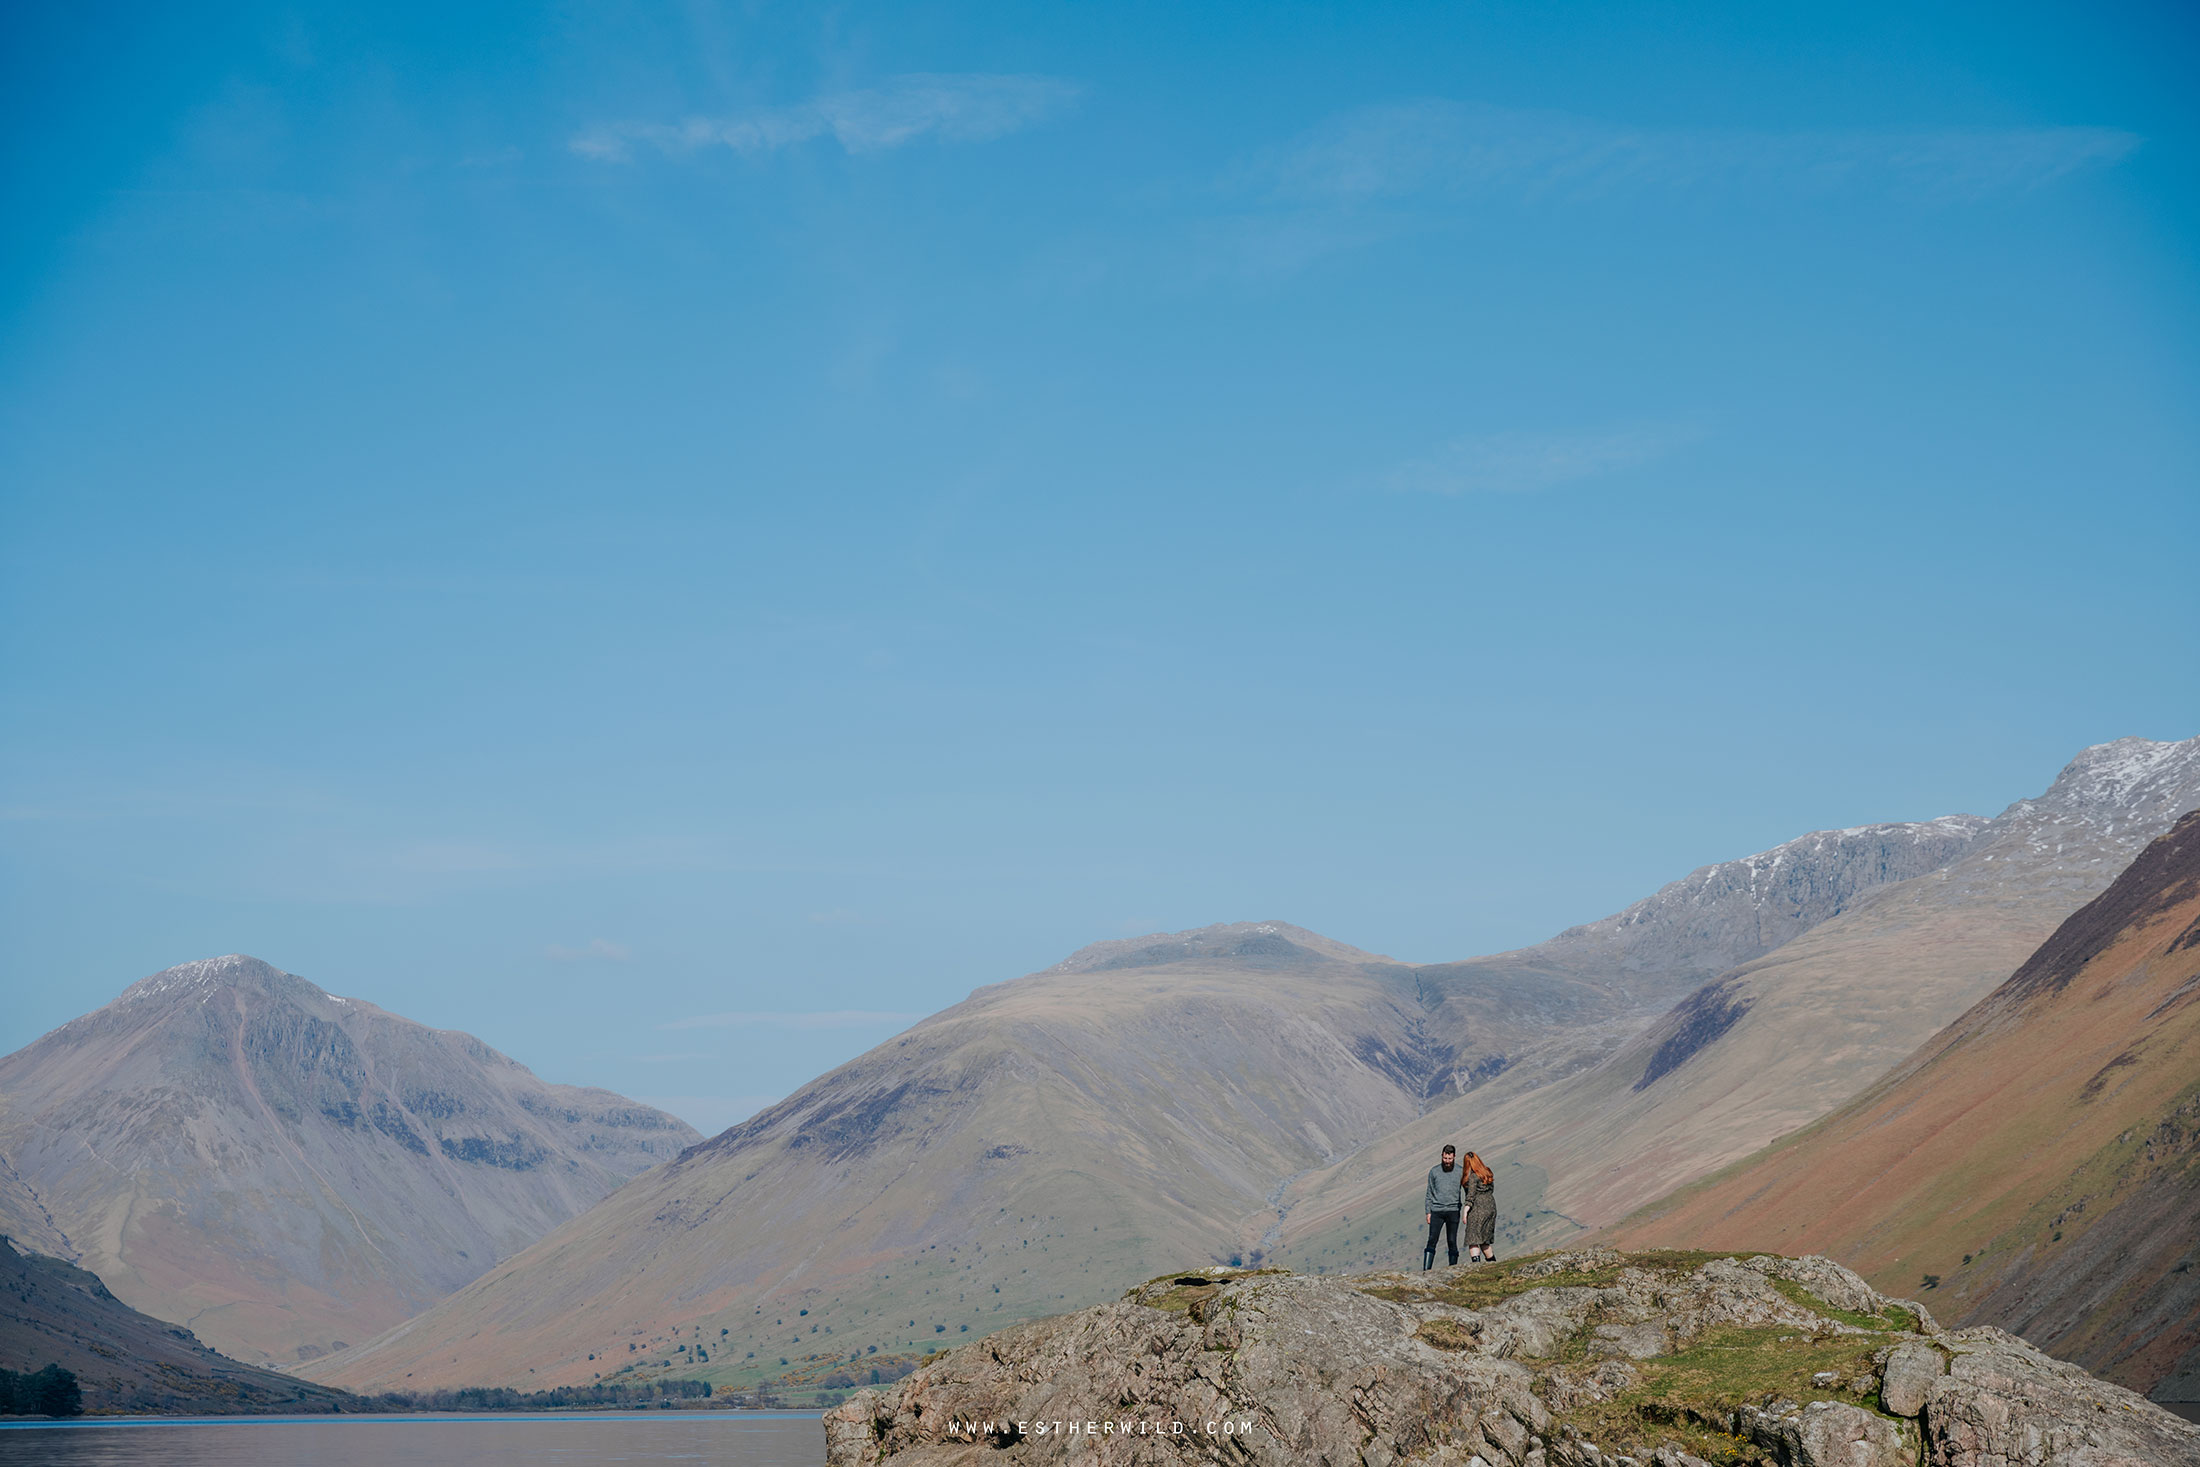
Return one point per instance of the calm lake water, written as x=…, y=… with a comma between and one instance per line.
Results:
x=731, y=1438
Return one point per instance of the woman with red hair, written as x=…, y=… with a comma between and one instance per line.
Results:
x=1478, y=1189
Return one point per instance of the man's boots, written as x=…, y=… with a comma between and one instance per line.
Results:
x=1428, y=1259
x=1454, y=1256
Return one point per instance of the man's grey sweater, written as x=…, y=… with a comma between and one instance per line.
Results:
x=1443, y=1189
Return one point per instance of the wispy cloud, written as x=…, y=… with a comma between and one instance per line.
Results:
x=1517, y=463
x=637, y=853
x=1429, y=146
x=595, y=950
x=949, y=108
x=825, y=1019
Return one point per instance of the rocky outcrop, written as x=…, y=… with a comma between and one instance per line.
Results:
x=1567, y=1360
x=1907, y=1379
x=1827, y=1434
x=2004, y=1402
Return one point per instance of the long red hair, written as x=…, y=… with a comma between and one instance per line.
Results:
x=1481, y=1170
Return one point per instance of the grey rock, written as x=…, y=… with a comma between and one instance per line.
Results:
x=2003, y=1403
x=1534, y=1325
x=1826, y=1434
x=1908, y=1376
x=1836, y=1434
x=1321, y=1372
x=1828, y=1280
x=1377, y=1371
x=1634, y=1341
x=1569, y=1390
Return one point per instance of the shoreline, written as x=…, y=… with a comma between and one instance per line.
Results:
x=75, y=1423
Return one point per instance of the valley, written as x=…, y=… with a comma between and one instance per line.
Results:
x=1247, y=1094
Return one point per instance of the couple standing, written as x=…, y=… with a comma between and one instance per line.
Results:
x=1461, y=1191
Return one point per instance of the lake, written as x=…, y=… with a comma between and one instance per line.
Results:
x=731, y=1438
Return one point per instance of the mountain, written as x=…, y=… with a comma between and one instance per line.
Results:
x=2034, y=1165
x=1638, y=962
x=282, y=1170
x=1257, y=1091
x=1025, y=1148
x=1776, y=1041
x=1725, y=914
x=1144, y=1102
x=24, y=1218
x=54, y=1313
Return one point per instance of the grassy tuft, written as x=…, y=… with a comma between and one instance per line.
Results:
x=1480, y=1287
x=1895, y=1319
x=1688, y=1397
x=1446, y=1334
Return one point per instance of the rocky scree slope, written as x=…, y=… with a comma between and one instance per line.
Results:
x=1725, y=914
x=1032, y=1148
x=54, y=1313
x=1641, y=960
x=1565, y=1360
x=1773, y=1043
x=2036, y=1164
x=282, y=1170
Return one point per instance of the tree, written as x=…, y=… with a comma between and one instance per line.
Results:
x=49, y=1392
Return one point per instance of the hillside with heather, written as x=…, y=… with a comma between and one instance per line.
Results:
x=2036, y=1164
x=1775, y=1042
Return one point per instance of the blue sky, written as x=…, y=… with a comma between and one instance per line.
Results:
x=669, y=536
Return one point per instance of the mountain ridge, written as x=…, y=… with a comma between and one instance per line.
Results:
x=1255, y=1089
x=1776, y=1041
x=1164, y=1088
x=1279, y=941
x=229, y=1146
x=2065, y=1102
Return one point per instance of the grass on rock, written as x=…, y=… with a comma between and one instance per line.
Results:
x=1687, y=1398
x=1480, y=1287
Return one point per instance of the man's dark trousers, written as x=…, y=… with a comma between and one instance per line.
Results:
x=1446, y=1223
